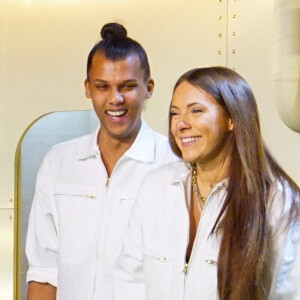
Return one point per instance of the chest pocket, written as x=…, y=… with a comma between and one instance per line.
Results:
x=78, y=221
x=158, y=269
x=69, y=190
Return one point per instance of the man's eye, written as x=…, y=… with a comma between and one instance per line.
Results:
x=128, y=86
x=101, y=87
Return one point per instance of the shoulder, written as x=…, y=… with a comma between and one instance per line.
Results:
x=73, y=143
x=284, y=201
x=169, y=173
x=70, y=147
x=162, y=147
x=161, y=185
x=283, y=194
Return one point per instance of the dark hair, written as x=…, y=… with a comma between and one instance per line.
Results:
x=115, y=45
x=245, y=255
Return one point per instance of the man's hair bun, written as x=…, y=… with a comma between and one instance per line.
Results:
x=113, y=31
x=116, y=45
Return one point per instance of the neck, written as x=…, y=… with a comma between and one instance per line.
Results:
x=112, y=149
x=211, y=173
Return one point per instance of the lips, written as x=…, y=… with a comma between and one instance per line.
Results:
x=116, y=112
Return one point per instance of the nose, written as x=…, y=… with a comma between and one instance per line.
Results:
x=183, y=123
x=116, y=98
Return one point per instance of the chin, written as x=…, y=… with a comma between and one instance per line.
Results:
x=189, y=159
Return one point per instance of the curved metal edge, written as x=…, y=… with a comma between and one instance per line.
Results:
x=17, y=212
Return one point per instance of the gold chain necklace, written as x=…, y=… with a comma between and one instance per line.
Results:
x=200, y=200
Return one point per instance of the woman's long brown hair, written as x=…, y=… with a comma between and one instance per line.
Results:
x=245, y=255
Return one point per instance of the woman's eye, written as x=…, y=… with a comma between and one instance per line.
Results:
x=173, y=113
x=197, y=110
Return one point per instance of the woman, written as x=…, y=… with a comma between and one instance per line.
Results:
x=224, y=224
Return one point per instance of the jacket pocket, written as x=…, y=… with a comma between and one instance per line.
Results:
x=210, y=275
x=158, y=271
x=78, y=222
x=70, y=191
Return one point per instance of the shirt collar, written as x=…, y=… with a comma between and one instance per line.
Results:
x=184, y=170
x=143, y=148
x=90, y=147
x=180, y=172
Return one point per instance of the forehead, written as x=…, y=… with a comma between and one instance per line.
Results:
x=186, y=94
x=110, y=70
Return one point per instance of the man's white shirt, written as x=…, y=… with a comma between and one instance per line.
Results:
x=79, y=216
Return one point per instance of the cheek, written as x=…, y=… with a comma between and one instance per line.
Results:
x=98, y=98
x=97, y=103
x=135, y=107
x=133, y=99
x=173, y=127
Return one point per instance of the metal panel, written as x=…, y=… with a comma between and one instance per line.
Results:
x=252, y=22
x=286, y=67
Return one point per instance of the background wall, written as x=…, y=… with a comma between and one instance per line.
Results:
x=43, y=49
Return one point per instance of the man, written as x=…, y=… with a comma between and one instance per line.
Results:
x=86, y=187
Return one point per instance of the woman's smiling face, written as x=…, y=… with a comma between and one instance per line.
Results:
x=199, y=124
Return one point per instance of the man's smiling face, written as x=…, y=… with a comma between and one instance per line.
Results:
x=118, y=90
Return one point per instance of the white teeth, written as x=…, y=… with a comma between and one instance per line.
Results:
x=190, y=139
x=116, y=113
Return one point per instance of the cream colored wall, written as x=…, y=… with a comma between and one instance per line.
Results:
x=43, y=50
x=286, y=66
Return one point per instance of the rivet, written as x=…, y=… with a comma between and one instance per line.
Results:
x=220, y=34
x=220, y=17
x=219, y=52
x=234, y=16
x=233, y=69
x=233, y=51
x=10, y=217
x=11, y=200
x=234, y=33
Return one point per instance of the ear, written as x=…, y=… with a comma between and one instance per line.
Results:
x=150, y=87
x=230, y=125
x=87, y=89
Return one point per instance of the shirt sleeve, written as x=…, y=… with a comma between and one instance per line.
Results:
x=287, y=257
x=42, y=235
x=128, y=275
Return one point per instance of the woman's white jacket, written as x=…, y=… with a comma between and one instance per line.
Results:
x=153, y=264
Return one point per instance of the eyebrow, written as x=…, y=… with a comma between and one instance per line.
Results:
x=99, y=80
x=189, y=105
x=129, y=80
x=125, y=81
